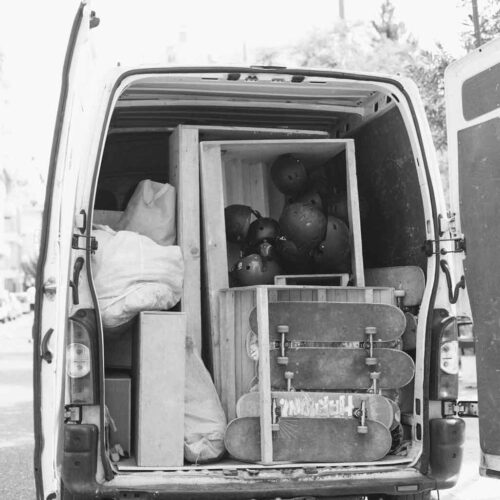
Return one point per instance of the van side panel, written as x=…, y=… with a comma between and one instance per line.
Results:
x=393, y=229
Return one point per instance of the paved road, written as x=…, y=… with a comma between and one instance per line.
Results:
x=16, y=423
x=16, y=412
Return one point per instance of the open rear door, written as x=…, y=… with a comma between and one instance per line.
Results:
x=473, y=114
x=68, y=151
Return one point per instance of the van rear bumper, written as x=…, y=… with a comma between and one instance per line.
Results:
x=80, y=465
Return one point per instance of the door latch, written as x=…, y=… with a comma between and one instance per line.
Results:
x=72, y=414
x=460, y=409
x=429, y=246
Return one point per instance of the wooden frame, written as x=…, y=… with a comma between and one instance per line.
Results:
x=252, y=186
x=184, y=159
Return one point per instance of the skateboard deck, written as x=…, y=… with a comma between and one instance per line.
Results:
x=333, y=321
x=320, y=405
x=309, y=440
x=411, y=279
x=326, y=369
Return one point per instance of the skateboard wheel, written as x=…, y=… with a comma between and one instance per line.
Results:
x=371, y=361
x=282, y=360
x=282, y=329
x=374, y=375
x=362, y=429
x=370, y=330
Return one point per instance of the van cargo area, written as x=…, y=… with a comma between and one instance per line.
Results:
x=316, y=353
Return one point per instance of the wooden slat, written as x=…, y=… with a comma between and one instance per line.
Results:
x=266, y=438
x=354, y=218
x=227, y=353
x=184, y=176
x=214, y=245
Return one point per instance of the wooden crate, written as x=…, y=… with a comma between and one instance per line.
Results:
x=235, y=306
x=239, y=172
x=184, y=175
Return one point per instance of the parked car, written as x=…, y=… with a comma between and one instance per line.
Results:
x=15, y=307
x=23, y=300
x=4, y=309
x=120, y=126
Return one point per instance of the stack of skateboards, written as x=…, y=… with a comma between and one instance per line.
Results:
x=322, y=369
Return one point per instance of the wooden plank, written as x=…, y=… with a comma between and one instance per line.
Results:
x=227, y=353
x=184, y=176
x=266, y=438
x=159, y=388
x=354, y=218
x=214, y=245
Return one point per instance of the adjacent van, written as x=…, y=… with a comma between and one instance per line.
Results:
x=189, y=126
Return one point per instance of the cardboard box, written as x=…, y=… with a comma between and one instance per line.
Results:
x=118, y=387
x=159, y=374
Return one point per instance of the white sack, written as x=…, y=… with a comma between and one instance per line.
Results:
x=204, y=418
x=151, y=212
x=132, y=274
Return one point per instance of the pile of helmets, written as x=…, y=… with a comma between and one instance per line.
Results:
x=306, y=239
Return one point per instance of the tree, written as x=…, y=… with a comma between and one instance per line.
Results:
x=387, y=27
x=489, y=23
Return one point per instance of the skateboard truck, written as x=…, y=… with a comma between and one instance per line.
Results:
x=374, y=376
x=370, y=332
x=400, y=295
x=361, y=414
x=288, y=378
x=282, y=359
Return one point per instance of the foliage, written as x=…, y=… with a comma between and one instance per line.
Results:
x=489, y=23
x=428, y=72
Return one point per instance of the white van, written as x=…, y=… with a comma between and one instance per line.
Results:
x=116, y=129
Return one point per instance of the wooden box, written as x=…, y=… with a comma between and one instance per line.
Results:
x=238, y=172
x=312, y=279
x=159, y=374
x=184, y=175
x=235, y=306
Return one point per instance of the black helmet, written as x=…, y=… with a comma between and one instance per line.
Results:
x=304, y=224
x=289, y=175
x=254, y=270
x=311, y=196
x=333, y=253
x=294, y=261
x=263, y=229
x=237, y=218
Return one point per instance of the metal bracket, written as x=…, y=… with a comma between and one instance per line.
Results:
x=72, y=414
x=75, y=242
x=460, y=409
x=429, y=246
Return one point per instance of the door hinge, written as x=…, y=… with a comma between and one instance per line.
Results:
x=72, y=414
x=460, y=409
x=75, y=242
x=429, y=246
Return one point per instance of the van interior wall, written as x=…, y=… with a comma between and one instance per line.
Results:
x=392, y=214
x=129, y=158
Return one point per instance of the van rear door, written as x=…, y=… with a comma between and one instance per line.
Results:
x=53, y=277
x=472, y=87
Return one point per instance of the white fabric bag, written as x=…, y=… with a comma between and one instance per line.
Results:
x=132, y=274
x=151, y=212
x=204, y=418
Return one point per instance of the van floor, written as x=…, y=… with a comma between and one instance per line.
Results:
x=129, y=464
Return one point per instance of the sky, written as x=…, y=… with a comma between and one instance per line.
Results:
x=33, y=38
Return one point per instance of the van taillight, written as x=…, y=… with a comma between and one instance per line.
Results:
x=81, y=358
x=445, y=357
